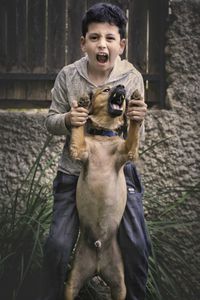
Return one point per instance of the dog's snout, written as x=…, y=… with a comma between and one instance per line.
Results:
x=118, y=94
x=120, y=88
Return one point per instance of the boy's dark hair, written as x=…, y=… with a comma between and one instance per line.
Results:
x=105, y=13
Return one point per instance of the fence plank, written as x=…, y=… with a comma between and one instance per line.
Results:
x=36, y=35
x=157, y=21
x=154, y=36
x=56, y=35
x=2, y=90
x=137, y=41
x=74, y=29
x=3, y=30
x=153, y=93
x=36, y=90
x=21, y=37
x=11, y=56
x=92, y=2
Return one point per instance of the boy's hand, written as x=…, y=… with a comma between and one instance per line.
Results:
x=77, y=116
x=136, y=110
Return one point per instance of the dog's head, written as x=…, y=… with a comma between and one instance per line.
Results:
x=108, y=107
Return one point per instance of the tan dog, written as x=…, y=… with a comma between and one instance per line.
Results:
x=101, y=192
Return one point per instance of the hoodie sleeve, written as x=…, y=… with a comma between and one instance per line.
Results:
x=141, y=91
x=135, y=81
x=55, y=121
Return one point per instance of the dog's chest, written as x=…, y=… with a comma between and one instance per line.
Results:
x=102, y=151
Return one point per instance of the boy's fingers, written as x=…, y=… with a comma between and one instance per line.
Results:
x=74, y=104
x=137, y=108
x=78, y=121
x=137, y=103
x=78, y=109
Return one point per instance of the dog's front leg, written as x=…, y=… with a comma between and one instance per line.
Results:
x=132, y=141
x=78, y=142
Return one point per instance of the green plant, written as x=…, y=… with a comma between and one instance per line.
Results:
x=170, y=275
x=24, y=222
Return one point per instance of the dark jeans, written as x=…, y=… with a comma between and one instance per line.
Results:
x=132, y=237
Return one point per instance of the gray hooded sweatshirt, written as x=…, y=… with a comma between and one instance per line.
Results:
x=71, y=83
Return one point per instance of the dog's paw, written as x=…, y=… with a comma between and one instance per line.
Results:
x=133, y=156
x=74, y=152
x=84, y=102
x=78, y=154
x=136, y=95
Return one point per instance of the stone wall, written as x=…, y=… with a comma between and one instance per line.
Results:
x=23, y=135
x=176, y=161
x=173, y=163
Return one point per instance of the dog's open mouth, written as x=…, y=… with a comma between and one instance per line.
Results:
x=116, y=101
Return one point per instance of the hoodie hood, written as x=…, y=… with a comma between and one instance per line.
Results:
x=120, y=70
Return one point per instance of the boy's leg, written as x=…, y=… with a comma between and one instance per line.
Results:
x=133, y=237
x=62, y=237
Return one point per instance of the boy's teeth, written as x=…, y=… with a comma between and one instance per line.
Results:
x=102, y=57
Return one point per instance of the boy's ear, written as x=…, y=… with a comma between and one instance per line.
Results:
x=122, y=45
x=83, y=44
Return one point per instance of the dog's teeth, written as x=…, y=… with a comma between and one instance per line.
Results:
x=114, y=95
x=116, y=106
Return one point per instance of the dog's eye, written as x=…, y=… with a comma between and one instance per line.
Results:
x=106, y=90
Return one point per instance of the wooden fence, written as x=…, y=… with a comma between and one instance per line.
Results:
x=38, y=37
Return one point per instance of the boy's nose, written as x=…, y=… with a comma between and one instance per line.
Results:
x=102, y=43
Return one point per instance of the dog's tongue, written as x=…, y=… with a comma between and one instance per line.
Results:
x=116, y=106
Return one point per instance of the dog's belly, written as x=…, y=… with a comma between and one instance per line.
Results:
x=101, y=199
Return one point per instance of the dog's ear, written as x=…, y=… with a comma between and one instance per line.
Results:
x=90, y=94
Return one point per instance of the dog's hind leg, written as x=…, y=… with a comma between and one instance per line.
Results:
x=84, y=267
x=114, y=277
x=112, y=272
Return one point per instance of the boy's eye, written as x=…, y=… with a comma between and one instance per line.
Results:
x=93, y=38
x=110, y=38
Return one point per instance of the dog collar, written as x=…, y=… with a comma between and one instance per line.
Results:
x=102, y=132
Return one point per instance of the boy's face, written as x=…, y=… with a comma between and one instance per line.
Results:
x=102, y=44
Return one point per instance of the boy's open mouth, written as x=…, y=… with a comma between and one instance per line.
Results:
x=102, y=58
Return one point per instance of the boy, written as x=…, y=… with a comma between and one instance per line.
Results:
x=103, y=40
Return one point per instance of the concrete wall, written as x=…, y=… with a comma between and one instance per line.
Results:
x=175, y=162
